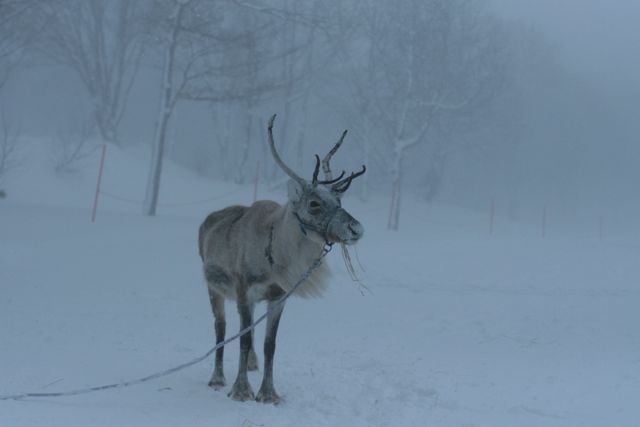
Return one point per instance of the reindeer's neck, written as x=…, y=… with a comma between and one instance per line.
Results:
x=293, y=252
x=289, y=241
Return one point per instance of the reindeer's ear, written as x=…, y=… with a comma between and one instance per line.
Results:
x=295, y=190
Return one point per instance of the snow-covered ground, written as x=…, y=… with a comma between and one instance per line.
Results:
x=458, y=329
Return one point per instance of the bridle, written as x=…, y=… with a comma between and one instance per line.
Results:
x=324, y=231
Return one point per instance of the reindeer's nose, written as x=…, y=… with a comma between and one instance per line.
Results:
x=356, y=229
x=344, y=228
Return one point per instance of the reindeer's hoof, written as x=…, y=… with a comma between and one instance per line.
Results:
x=252, y=363
x=241, y=392
x=217, y=382
x=268, y=395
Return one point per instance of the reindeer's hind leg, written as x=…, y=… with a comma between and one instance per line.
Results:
x=241, y=389
x=217, y=306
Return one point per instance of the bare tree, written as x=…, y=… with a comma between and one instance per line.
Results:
x=9, y=153
x=170, y=93
x=263, y=65
x=17, y=30
x=191, y=43
x=307, y=43
x=99, y=41
x=208, y=59
x=426, y=61
x=71, y=146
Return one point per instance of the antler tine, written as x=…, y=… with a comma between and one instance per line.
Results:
x=343, y=186
x=276, y=156
x=332, y=181
x=325, y=162
x=314, y=181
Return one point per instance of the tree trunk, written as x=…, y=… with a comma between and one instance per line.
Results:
x=435, y=175
x=167, y=104
x=107, y=128
x=240, y=177
x=288, y=72
x=304, y=110
x=225, y=143
x=396, y=191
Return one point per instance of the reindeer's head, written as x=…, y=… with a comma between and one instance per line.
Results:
x=316, y=203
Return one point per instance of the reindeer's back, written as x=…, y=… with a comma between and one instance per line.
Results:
x=232, y=223
x=219, y=220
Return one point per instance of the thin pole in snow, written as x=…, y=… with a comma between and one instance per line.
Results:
x=255, y=184
x=95, y=200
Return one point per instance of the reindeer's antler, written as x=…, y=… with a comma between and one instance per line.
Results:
x=333, y=181
x=325, y=162
x=339, y=184
x=342, y=186
x=329, y=181
x=314, y=181
x=276, y=156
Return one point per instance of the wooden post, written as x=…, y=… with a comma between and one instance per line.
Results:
x=95, y=200
x=492, y=216
x=255, y=184
x=544, y=221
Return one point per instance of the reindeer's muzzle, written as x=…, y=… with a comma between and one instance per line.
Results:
x=343, y=228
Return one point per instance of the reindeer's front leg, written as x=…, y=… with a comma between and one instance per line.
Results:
x=217, y=305
x=241, y=389
x=267, y=393
x=252, y=364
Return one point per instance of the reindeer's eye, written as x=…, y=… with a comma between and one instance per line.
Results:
x=314, y=206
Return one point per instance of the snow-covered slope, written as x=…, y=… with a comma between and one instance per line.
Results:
x=458, y=329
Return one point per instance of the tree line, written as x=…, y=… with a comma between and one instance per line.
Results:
x=415, y=81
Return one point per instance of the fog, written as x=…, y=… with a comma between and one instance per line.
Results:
x=555, y=125
x=599, y=46
x=598, y=40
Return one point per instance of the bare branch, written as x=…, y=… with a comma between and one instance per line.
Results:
x=72, y=146
x=278, y=13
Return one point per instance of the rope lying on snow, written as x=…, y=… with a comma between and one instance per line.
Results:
x=314, y=266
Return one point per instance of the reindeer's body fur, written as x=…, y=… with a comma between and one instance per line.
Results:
x=252, y=247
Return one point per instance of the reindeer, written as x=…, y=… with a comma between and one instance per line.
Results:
x=253, y=254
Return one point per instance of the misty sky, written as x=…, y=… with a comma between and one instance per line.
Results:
x=601, y=38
